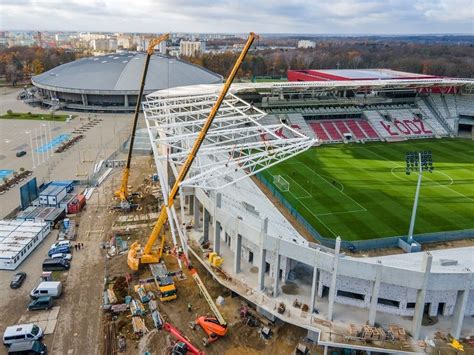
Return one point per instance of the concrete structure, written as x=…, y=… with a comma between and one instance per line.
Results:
x=191, y=48
x=18, y=239
x=250, y=233
x=111, y=82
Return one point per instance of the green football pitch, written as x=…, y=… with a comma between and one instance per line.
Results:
x=361, y=191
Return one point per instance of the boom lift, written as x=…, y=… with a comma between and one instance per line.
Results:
x=214, y=327
x=136, y=254
x=122, y=193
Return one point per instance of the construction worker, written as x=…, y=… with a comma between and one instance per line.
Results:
x=190, y=307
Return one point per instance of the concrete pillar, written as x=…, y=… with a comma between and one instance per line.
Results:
x=125, y=100
x=190, y=205
x=460, y=308
x=217, y=225
x=420, y=297
x=261, y=269
x=375, y=294
x=314, y=289
x=206, y=225
x=332, y=289
x=197, y=222
x=84, y=100
x=238, y=253
x=276, y=274
x=217, y=237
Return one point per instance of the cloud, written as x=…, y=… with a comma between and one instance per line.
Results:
x=263, y=16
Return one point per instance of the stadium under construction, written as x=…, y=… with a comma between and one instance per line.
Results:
x=262, y=124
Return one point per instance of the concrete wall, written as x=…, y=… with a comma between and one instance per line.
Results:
x=354, y=274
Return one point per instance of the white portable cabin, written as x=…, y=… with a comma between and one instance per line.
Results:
x=18, y=239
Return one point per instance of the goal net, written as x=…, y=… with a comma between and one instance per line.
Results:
x=281, y=183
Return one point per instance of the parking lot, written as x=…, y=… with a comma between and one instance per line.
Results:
x=101, y=140
x=73, y=326
x=14, y=302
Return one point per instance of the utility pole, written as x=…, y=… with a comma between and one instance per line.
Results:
x=32, y=149
x=417, y=161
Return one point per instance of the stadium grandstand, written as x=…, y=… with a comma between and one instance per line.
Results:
x=378, y=104
x=338, y=185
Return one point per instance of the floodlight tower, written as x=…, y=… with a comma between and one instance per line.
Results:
x=420, y=161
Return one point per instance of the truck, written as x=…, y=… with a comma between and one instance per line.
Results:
x=164, y=282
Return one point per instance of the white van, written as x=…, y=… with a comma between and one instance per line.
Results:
x=21, y=333
x=47, y=288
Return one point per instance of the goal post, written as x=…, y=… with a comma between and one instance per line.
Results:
x=281, y=183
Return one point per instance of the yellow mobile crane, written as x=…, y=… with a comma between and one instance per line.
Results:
x=137, y=255
x=122, y=193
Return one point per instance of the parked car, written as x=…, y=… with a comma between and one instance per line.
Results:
x=40, y=303
x=47, y=288
x=20, y=153
x=62, y=249
x=57, y=264
x=20, y=333
x=65, y=256
x=28, y=347
x=18, y=279
x=60, y=244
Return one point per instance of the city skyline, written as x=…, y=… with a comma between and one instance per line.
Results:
x=340, y=17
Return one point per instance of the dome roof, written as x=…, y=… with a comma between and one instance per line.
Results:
x=121, y=73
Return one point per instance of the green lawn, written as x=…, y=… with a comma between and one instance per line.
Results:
x=33, y=116
x=361, y=191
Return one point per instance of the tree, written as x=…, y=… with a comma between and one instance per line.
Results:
x=38, y=66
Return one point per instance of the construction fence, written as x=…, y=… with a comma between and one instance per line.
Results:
x=387, y=242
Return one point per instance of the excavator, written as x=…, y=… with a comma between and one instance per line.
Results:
x=138, y=255
x=122, y=193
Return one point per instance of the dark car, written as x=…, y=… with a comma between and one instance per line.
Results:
x=40, y=303
x=20, y=153
x=18, y=279
x=50, y=264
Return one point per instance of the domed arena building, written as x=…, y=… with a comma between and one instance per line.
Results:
x=110, y=83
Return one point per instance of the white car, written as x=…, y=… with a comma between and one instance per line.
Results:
x=61, y=243
x=64, y=256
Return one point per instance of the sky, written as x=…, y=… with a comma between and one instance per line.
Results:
x=241, y=16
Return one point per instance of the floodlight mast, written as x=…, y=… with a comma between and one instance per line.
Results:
x=422, y=160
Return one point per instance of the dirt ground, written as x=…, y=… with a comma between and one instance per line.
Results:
x=240, y=339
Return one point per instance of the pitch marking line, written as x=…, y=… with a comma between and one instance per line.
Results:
x=341, y=212
x=315, y=216
x=398, y=165
x=308, y=195
x=436, y=171
x=334, y=187
x=361, y=209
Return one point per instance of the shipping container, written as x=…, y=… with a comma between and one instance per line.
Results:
x=82, y=201
x=67, y=184
x=52, y=195
x=66, y=201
